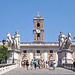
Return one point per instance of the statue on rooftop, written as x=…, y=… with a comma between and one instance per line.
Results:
x=16, y=41
x=61, y=40
x=9, y=40
x=68, y=41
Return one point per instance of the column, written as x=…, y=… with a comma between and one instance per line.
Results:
x=45, y=55
x=56, y=59
x=30, y=55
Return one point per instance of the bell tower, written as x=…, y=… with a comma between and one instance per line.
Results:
x=38, y=30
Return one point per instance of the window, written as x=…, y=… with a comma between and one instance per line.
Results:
x=38, y=25
x=38, y=51
x=51, y=51
x=38, y=35
x=24, y=51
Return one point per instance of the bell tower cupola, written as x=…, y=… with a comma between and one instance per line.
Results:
x=38, y=30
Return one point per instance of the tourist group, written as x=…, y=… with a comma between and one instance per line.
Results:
x=38, y=64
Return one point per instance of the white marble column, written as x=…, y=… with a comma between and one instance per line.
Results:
x=45, y=55
x=30, y=55
x=56, y=59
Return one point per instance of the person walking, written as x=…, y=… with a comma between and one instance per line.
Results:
x=22, y=63
x=74, y=65
x=42, y=64
x=27, y=64
x=49, y=63
x=34, y=64
x=46, y=64
x=54, y=62
x=31, y=63
x=39, y=64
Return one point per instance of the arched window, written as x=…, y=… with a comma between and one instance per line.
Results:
x=38, y=35
x=38, y=25
x=38, y=51
x=51, y=51
x=24, y=51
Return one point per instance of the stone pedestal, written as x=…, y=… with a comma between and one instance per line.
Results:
x=56, y=58
x=65, y=56
x=13, y=57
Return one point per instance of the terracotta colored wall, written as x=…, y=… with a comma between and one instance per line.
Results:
x=42, y=55
x=54, y=55
x=47, y=55
x=21, y=56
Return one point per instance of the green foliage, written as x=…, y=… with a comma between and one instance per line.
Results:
x=5, y=52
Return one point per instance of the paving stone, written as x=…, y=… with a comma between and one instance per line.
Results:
x=50, y=71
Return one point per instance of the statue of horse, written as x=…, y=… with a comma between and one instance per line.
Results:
x=68, y=42
x=9, y=40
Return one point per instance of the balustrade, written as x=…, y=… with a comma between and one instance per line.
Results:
x=6, y=67
x=68, y=66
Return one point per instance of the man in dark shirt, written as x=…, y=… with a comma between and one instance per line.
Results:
x=74, y=64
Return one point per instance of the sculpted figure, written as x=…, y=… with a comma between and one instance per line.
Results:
x=9, y=40
x=68, y=41
x=16, y=41
x=61, y=40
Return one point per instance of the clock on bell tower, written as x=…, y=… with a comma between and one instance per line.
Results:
x=38, y=30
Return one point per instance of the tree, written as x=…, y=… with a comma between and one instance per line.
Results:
x=5, y=52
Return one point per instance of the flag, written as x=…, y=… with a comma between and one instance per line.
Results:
x=37, y=38
x=73, y=38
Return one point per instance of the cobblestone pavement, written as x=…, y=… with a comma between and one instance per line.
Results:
x=57, y=71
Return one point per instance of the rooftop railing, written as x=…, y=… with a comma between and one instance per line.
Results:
x=38, y=43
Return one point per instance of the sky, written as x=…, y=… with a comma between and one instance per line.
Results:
x=59, y=15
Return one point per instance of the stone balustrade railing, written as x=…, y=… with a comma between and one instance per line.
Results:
x=39, y=42
x=6, y=67
x=68, y=66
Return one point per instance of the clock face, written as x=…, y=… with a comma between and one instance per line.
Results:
x=38, y=30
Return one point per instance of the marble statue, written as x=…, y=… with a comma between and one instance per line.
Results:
x=9, y=40
x=68, y=41
x=16, y=41
x=61, y=40
x=14, y=52
x=65, y=56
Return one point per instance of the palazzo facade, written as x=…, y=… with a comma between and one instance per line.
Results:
x=38, y=49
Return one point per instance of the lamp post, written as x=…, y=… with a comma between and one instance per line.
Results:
x=13, y=56
x=3, y=60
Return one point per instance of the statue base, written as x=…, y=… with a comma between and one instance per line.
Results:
x=13, y=56
x=65, y=56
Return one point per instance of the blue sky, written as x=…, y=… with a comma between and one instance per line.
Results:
x=59, y=15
